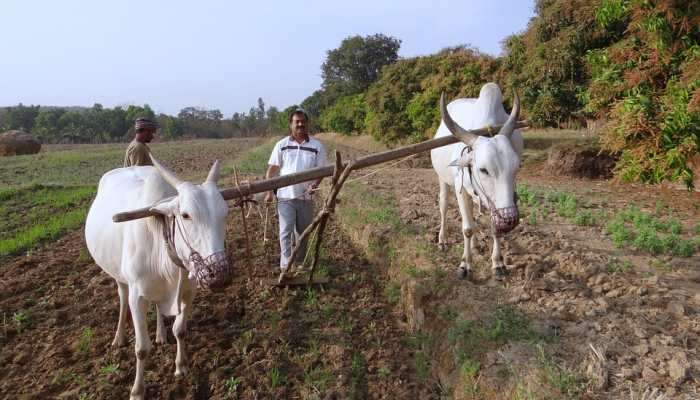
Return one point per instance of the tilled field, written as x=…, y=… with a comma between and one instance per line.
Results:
x=251, y=341
x=346, y=339
x=578, y=294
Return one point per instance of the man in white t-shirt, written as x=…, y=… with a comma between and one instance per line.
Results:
x=296, y=152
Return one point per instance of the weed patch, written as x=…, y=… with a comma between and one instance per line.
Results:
x=642, y=231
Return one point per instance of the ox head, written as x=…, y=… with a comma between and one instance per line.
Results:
x=199, y=217
x=492, y=163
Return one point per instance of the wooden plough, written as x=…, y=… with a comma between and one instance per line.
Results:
x=339, y=172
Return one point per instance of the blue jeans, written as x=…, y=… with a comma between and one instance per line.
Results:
x=294, y=216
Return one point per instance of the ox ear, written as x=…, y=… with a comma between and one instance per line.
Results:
x=167, y=207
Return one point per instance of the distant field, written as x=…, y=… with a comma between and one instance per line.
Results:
x=85, y=164
x=47, y=194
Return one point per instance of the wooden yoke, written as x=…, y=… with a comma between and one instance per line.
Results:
x=322, y=172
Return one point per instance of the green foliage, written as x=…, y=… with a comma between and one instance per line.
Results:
x=110, y=369
x=53, y=211
x=346, y=115
x=276, y=378
x=231, y=385
x=85, y=342
x=571, y=384
x=403, y=103
x=22, y=320
x=504, y=324
x=392, y=292
x=615, y=265
x=642, y=231
x=353, y=66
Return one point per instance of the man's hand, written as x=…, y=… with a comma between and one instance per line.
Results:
x=312, y=188
x=269, y=197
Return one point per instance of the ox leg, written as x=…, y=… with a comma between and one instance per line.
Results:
x=139, y=308
x=499, y=267
x=161, y=337
x=466, y=211
x=120, y=336
x=442, y=236
x=179, y=329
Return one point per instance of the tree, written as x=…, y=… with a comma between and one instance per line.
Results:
x=353, y=66
x=46, y=124
x=21, y=117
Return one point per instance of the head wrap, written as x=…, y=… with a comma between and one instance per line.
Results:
x=145, y=123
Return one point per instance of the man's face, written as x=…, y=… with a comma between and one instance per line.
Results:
x=146, y=135
x=298, y=126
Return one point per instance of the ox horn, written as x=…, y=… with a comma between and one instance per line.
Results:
x=168, y=175
x=508, y=128
x=213, y=176
x=454, y=128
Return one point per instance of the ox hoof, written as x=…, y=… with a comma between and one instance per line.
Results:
x=161, y=339
x=500, y=273
x=119, y=342
x=180, y=372
x=464, y=273
x=442, y=246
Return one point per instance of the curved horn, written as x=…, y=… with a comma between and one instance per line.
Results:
x=454, y=128
x=213, y=176
x=168, y=175
x=508, y=128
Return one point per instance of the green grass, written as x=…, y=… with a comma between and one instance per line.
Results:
x=110, y=369
x=504, y=324
x=40, y=213
x=231, y=384
x=571, y=384
x=633, y=228
x=85, y=342
x=253, y=161
x=392, y=292
x=617, y=266
x=46, y=195
x=276, y=378
x=22, y=320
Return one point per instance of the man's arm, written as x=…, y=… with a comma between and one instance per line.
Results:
x=321, y=161
x=272, y=171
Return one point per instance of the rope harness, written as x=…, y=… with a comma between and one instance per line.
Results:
x=211, y=272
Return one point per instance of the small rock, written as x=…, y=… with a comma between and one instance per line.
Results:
x=678, y=368
x=642, y=291
x=629, y=373
x=676, y=309
x=650, y=375
x=613, y=293
x=640, y=332
x=641, y=350
x=696, y=298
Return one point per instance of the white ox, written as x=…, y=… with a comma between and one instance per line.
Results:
x=136, y=255
x=480, y=169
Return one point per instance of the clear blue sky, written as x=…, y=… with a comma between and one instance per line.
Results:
x=214, y=53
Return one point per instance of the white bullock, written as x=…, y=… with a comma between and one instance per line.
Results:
x=146, y=266
x=480, y=169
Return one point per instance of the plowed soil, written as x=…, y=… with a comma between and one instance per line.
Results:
x=344, y=339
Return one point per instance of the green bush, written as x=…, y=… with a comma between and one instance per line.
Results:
x=347, y=115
